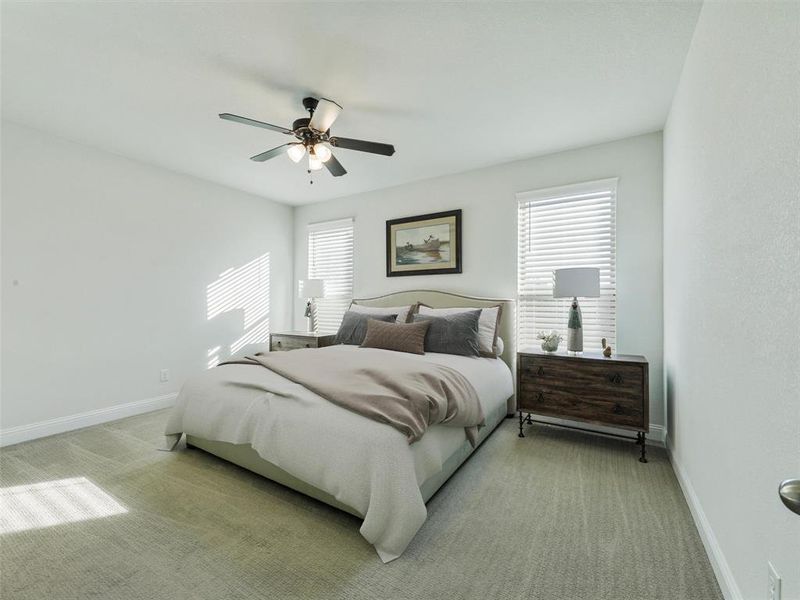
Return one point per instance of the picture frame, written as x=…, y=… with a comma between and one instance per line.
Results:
x=427, y=244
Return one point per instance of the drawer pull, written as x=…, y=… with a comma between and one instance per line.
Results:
x=617, y=409
x=308, y=345
x=540, y=397
x=615, y=378
x=540, y=371
x=278, y=344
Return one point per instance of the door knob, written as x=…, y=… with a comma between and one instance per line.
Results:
x=789, y=491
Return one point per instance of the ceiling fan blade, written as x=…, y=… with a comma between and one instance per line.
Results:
x=254, y=123
x=270, y=153
x=324, y=115
x=335, y=167
x=362, y=146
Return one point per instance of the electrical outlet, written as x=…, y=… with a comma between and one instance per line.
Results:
x=164, y=375
x=774, y=583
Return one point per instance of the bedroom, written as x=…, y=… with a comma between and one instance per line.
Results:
x=141, y=249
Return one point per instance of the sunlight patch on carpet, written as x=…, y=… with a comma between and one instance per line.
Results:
x=49, y=503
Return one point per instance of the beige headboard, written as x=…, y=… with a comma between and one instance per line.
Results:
x=438, y=299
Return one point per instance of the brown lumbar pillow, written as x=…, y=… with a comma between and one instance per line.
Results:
x=400, y=337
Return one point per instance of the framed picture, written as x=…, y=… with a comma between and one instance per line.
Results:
x=424, y=244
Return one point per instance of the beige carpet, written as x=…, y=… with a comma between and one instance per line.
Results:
x=557, y=515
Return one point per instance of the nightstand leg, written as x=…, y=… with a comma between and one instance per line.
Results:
x=643, y=457
x=520, y=425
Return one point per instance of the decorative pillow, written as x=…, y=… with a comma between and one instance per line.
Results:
x=452, y=334
x=403, y=312
x=500, y=345
x=488, y=324
x=354, y=327
x=400, y=337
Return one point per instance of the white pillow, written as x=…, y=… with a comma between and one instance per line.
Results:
x=400, y=311
x=487, y=324
x=500, y=345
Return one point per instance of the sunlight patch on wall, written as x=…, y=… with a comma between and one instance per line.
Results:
x=49, y=503
x=244, y=288
x=213, y=356
x=258, y=334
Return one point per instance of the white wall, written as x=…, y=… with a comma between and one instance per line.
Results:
x=487, y=197
x=731, y=291
x=105, y=263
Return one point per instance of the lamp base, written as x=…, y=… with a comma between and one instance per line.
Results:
x=575, y=341
x=575, y=329
x=311, y=316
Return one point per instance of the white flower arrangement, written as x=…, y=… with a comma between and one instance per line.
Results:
x=550, y=340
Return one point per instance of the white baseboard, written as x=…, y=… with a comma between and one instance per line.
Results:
x=655, y=437
x=24, y=433
x=722, y=570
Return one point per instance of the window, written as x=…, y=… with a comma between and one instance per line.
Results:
x=571, y=226
x=330, y=258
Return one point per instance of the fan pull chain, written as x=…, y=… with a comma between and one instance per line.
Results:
x=310, y=178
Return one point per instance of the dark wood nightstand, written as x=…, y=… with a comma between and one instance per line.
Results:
x=292, y=340
x=588, y=387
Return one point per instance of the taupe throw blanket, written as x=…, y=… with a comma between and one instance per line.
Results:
x=403, y=391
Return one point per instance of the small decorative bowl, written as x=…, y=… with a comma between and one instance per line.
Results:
x=550, y=346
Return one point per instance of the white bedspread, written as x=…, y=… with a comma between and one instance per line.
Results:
x=362, y=463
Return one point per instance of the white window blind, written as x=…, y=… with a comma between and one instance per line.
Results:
x=570, y=226
x=330, y=258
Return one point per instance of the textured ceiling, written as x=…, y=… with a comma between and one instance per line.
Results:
x=453, y=86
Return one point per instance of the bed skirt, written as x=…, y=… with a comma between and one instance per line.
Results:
x=244, y=456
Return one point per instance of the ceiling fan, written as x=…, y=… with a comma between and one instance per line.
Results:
x=314, y=137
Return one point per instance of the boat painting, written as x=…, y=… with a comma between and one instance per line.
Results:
x=424, y=244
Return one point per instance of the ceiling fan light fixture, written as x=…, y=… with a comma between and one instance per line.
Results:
x=296, y=152
x=322, y=152
x=314, y=164
x=311, y=135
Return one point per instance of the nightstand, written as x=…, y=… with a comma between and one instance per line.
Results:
x=292, y=340
x=588, y=387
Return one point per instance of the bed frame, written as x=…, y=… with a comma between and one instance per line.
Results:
x=244, y=456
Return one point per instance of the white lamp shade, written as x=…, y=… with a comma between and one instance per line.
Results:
x=578, y=282
x=310, y=288
x=322, y=152
x=314, y=164
x=296, y=152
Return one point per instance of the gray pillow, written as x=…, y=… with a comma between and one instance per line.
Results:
x=456, y=333
x=354, y=327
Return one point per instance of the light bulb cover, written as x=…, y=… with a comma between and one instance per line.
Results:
x=322, y=152
x=296, y=152
x=314, y=163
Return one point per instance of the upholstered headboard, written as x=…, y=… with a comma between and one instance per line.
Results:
x=438, y=299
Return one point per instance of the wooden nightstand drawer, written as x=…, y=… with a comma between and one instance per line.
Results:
x=593, y=377
x=295, y=340
x=574, y=404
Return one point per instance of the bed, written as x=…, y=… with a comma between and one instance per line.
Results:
x=257, y=419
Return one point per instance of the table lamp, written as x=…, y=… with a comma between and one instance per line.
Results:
x=572, y=283
x=308, y=289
